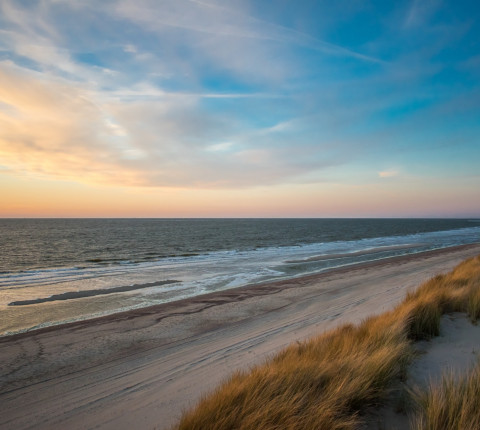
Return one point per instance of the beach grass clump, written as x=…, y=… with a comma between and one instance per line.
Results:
x=328, y=381
x=473, y=305
x=473, y=295
x=322, y=383
x=453, y=403
x=423, y=316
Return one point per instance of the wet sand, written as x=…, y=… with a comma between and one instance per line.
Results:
x=90, y=293
x=140, y=369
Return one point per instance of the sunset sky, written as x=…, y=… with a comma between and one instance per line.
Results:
x=200, y=108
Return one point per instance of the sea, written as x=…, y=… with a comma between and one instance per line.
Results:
x=54, y=271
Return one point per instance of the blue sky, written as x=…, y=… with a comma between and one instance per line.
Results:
x=203, y=96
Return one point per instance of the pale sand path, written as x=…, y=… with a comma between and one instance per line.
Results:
x=140, y=369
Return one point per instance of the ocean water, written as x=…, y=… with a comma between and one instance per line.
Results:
x=60, y=270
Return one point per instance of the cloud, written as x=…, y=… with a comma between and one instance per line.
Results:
x=50, y=127
x=200, y=94
x=171, y=41
x=388, y=173
x=68, y=119
x=130, y=48
x=230, y=39
x=420, y=12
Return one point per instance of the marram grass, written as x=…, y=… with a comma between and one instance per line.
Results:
x=453, y=403
x=328, y=381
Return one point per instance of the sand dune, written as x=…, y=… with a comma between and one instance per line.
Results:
x=139, y=369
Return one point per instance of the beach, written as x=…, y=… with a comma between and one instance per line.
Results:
x=143, y=367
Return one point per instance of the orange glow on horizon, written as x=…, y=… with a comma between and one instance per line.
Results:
x=35, y=197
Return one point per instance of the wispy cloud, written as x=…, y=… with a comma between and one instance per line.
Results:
x=420, y=11
x=231, y=39
x=54, y=128
x=69, y=119
x=197, y=93
x=271, y=31
x=388, y=173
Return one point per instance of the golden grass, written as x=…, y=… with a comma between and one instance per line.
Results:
x=326, y=382
x=452, y=404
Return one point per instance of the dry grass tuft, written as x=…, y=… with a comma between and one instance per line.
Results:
x=473, y=305
x=326, y=382
x=423, y=316
x=321, y=384
x=451, y=404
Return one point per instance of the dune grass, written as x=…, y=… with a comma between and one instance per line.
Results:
x=328, y=381
x=453, y=403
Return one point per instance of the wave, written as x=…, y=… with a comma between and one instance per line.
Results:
x=191, y=266
x=378, y=250
x=172, y=278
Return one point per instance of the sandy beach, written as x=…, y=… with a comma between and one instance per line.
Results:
x=140, y=369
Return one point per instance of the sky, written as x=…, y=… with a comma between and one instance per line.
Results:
x=214, y=108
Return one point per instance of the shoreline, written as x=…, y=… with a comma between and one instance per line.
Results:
x=141, y=368
x=235, y=293
x=90, y=293
x=376, y=250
